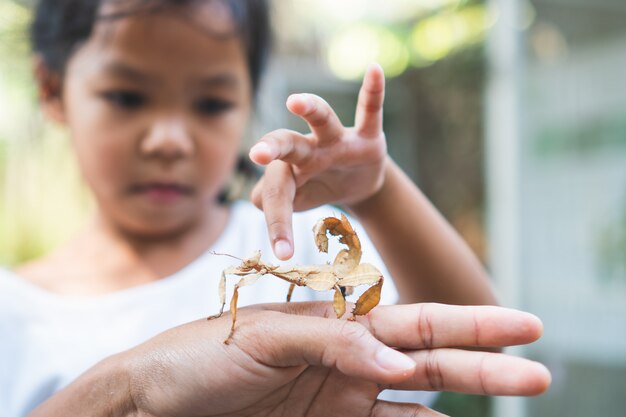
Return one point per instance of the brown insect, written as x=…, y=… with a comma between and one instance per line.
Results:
x=345, y=273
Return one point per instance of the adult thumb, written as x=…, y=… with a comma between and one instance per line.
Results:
x=287, y=340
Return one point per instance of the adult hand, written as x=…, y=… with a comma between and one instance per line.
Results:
x=287, y=359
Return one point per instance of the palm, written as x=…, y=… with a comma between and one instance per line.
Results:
x=316, y=391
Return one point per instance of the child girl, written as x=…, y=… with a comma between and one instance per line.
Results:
x=155, y=95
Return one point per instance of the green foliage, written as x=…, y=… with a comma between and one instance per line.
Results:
x=462, y=405
x=14, y=44
x=41, y=197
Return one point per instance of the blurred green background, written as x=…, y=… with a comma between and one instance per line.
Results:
x=510, y=115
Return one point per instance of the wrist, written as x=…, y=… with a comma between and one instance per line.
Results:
x=365, y=207
x=102, y=391
x=111, y=386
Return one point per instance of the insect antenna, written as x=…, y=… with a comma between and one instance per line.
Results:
x=225, y=254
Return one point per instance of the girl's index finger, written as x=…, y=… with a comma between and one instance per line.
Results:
x=369, y=112
x=318, y=114
x=277, y=196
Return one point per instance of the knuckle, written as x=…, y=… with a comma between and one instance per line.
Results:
x=432, y=371
x=276, y=227
x=320, y=117
x=424, y=327
x=352, y=333
x=348, y=337
x=477, y=332
x=320, y=111
x=420, y=411
x=284, y=133
x=278, y=136
x=274, y=192
x=482, y=379
x=370, y=106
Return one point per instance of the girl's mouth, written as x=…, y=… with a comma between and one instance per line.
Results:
x=161, y=192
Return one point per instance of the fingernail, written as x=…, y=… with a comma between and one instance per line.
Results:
x=374, y=65
x=394, y=361
x=282, y=249
x=305, y=101
x=263, y=148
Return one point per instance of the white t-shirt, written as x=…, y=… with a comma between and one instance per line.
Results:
x=47, y=340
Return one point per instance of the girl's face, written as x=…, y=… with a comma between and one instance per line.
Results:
x=156, y=105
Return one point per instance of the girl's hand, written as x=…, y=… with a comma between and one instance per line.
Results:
x=332, y=164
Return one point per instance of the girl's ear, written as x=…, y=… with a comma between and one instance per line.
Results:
x=50, y=88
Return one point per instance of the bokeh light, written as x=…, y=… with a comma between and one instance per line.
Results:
x=352, y=50
x=436, y=37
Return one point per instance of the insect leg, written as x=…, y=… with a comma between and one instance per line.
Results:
x=291, y=287
x=222, y=292
x=249, y=280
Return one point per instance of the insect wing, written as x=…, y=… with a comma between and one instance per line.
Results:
x=321, y=281
x=339, y=303
x=368, y=300
x=364, y=274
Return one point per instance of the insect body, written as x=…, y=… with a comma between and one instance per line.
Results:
x=345, y=273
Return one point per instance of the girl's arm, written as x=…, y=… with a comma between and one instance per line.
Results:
x=427, y=258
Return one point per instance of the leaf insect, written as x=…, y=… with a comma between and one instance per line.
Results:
x=342, y=276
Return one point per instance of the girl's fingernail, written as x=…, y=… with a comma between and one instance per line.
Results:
x=373, y=65
x=305, y=101
x=394, y=361
x=264, y=148
x=282, y=249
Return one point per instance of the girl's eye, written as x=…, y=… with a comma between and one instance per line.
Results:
x=128, y=100
x=212, y=106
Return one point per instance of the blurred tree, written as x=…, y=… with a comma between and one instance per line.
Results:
x=449, y=123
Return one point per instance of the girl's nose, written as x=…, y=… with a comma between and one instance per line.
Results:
x=168, y=139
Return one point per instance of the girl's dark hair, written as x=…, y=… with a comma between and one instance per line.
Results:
x=61, y=26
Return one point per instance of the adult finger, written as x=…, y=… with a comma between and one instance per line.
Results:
x=279, y=189
x=318, y=114
x=431, y=325
x=394, y=409
x=282, y=340
x=286, y=145
x=369, y=112
x=473, y=372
